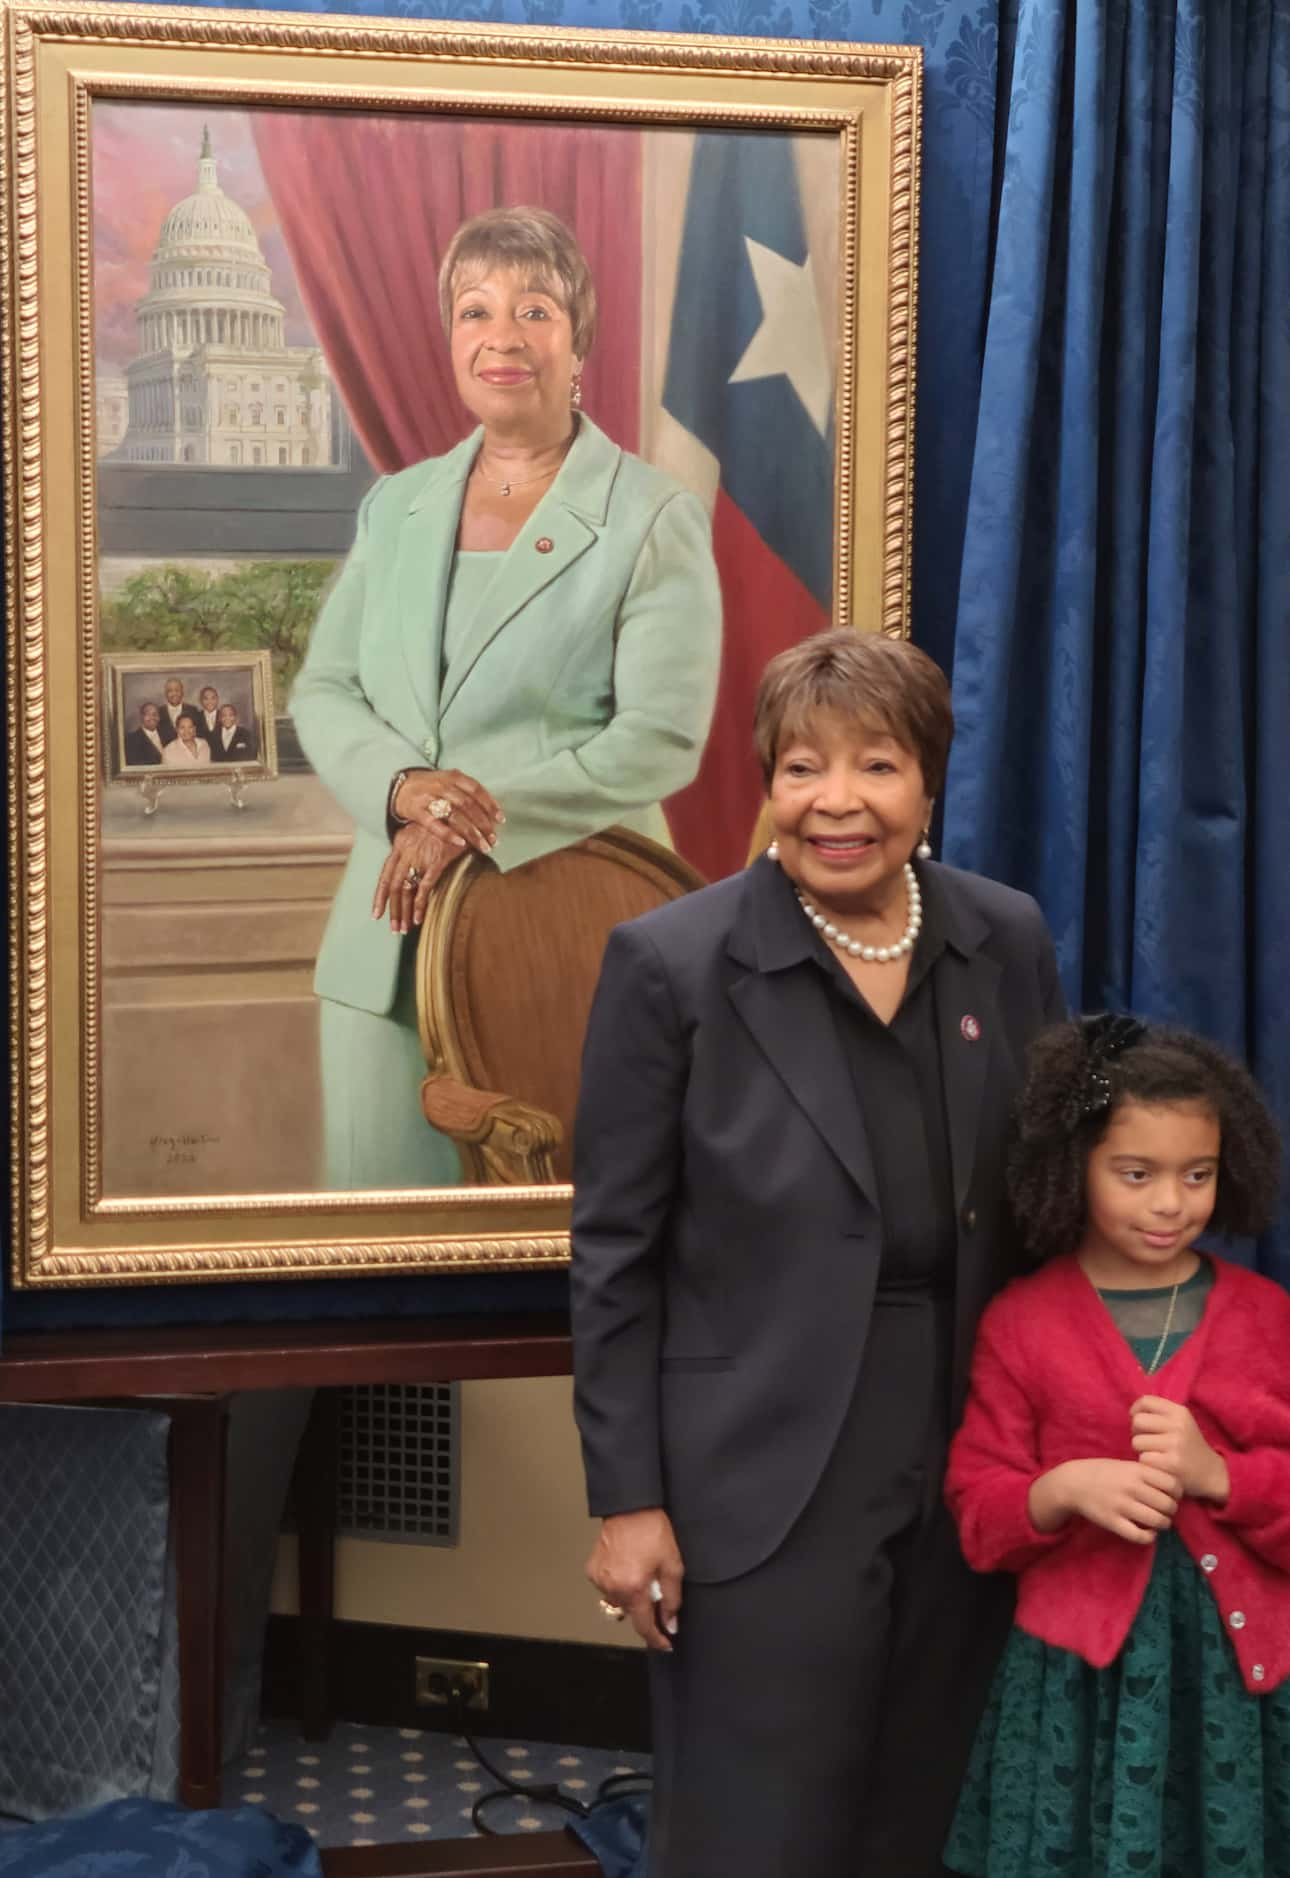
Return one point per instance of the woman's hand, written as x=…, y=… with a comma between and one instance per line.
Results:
x=475, y=817
x=1133, y=1499
x=1165, y=1435
x=414, y=865
x=634, y=1549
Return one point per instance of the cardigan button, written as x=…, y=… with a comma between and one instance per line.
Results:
x=1208, y=1562
x=1237, y=1620
x=969, y=1219
x=1258, y=1672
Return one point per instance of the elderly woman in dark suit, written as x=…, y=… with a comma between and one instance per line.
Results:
x=789, y=1216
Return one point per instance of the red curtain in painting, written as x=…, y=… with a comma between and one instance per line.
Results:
x=367, y=207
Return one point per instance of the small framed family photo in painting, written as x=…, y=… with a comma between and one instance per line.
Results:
x=267, y=530
x=192, y=719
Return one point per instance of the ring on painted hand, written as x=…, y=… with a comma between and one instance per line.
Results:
x=614, y=1612
x=412, y=876
x=440, y=807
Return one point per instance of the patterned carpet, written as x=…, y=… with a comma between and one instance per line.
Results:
x=367, y=1786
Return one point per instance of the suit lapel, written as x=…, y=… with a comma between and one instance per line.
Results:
x=566, y=522
x=966, y=991
x=523, y=574
x=789, y=1018
x=427, y=541
x=784, y=1003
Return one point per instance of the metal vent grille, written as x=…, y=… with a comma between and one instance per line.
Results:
x=400, y=1462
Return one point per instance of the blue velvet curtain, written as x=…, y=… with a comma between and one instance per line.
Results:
x=1121, y=668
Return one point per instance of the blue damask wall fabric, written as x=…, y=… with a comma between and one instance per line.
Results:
x=960, y=45
x=1121, y=676
x=86, y=1625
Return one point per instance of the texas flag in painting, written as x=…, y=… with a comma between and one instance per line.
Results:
x=748, y=394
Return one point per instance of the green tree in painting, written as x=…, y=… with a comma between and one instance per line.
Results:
x=262, y=606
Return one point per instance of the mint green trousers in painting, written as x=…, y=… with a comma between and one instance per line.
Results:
x=374, y=1134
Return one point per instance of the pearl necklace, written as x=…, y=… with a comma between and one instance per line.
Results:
x=873, y=955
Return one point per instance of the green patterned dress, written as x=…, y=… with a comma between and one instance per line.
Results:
x=1162, y=1765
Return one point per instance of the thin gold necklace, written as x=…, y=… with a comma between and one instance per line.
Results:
x=508, y=483
x=1164, y=1335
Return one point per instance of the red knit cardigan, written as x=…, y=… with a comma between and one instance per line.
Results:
x=1053, y=1380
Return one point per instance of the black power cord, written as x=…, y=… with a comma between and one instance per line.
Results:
x=548, y=1793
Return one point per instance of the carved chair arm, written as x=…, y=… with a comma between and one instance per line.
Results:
x=504, y=1141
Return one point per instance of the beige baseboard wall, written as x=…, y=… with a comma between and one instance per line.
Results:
x=524, y=1533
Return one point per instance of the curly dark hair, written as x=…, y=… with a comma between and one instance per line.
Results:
x=1074, y=1083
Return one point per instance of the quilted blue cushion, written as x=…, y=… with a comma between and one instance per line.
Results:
x=149, y=1839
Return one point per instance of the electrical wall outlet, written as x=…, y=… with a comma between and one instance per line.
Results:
x=437, y=1676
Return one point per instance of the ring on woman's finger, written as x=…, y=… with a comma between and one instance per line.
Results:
x=614, y=1612
x=412, y=876
x=440, y=807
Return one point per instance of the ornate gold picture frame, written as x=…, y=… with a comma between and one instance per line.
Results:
x=189, y=442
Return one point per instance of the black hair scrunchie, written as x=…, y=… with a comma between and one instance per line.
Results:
x=1106, y=1036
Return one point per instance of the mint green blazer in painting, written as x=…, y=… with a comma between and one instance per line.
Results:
x=581, y=695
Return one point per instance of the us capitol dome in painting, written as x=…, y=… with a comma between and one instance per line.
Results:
x=214, y=381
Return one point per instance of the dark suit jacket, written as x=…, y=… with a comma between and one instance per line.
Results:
x=166, y=728
x=139, y=747
x=243, y=749
x=726, y=1236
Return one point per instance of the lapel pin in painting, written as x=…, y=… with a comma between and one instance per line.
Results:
x=971, y=1029
x=544, y=544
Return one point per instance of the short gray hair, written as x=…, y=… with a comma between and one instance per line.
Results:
x=886, y=684
x=535, y=243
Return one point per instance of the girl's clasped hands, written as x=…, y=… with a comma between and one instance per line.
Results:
x=1166, y=1437
x=1136, y=1499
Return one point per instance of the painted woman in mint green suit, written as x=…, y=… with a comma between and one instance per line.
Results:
x=522, y=648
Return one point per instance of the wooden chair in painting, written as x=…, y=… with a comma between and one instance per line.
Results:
x=506, y=970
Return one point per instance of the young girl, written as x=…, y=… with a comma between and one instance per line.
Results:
x=1126, y=1452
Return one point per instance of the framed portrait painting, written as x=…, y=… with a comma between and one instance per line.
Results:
x=243, y=262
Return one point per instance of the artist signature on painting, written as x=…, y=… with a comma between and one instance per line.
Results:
x=182, y=1150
